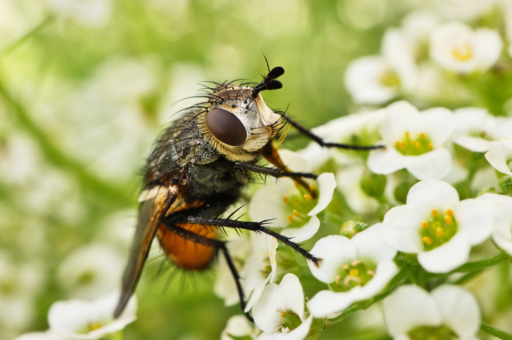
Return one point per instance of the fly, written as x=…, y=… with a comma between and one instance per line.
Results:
x=197, y=170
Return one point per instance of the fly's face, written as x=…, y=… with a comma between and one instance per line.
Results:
x=236, y=123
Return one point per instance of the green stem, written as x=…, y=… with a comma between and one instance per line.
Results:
x=470, y=266
x=466, y=277
x=110, y=194
x=495, y=332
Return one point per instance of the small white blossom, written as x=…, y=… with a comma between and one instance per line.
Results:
x=260, y=267
x=225, y=285
x=502, y=232
x=473, y=128
x=414, y=141
x=91, y=13
x=447, y=312
x=288, y=206
x=78, y=319
x=500, y=152
x=378, y=79
x=356, y=269
x=239, y=327
x=465, y=9
x=455, y=47
x=279, y=312
x=90, y=271
x=416, y=27
x=437, y=226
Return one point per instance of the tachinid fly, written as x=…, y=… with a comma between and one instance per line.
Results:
x=197, y=170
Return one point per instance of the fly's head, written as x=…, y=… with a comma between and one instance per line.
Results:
x=237, y=122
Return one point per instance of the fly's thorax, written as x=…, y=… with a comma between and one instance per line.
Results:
x=238, y=125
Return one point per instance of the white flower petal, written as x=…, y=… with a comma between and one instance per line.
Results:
x=326, y=186
x=431, y=165
x=71, y=316
x=266, y=311
x=326, y=302
x=305, y=232
x=40, y=336
x=475, y=218
x=447, y=256
x=384, y=272
x=267, y=203
x=386, y=161
x=488, y=46
x=409, y=307
x=299, y=333
x=237, y=326
x=439, y=124
x=475, y=144
x=498, y=156
x=294, y=161
x=402, y=117
x=403, y=224
x=315, y=155
x=459, y=310
x=334, y=250
x=371, y=244
x=287, y=296
x=362, y=80
x=433, y=194
x=502, y=233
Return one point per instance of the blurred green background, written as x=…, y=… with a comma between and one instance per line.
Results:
x=83, y=93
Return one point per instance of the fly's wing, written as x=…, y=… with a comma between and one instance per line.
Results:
x=154, y=203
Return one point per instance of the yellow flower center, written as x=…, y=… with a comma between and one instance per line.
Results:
x=438, y=230
x=463, y=52
x=389, y=78
x=414, y=145
x=350, y=275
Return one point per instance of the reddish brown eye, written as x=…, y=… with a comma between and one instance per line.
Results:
x=226, y=127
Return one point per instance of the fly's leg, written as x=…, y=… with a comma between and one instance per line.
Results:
x=274, y=172
x=305, y=131
x=257, y=227
x=218, y=246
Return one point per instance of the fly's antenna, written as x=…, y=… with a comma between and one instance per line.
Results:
x=270, y=81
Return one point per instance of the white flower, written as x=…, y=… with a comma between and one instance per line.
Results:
x=502, y=232
x=91, y=271
x=447, y=312
x=500, y=152
x=238, y=327
x=292, y=207
x=414, y=141
x=437, y=226
x=280, y=311
x=416, y=27
x=92, y=13
x=260, y=267
x=455, y=47
x=500, y=157
x=473, y=128
x=377, y=79
x=225, y=285
x=356, y=269
x=78, y=319
x=349, y=183
x=465, y=9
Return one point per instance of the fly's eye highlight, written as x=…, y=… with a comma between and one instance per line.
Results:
x=226, y=127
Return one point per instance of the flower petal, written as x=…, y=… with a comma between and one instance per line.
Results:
x=475, y=218
x=498, y=156
x=237, y=326
x=409, y=307
x=372, y=244
x=326, y=186
x=403, y=224
x=384, y=272
x=71, y=316
x=299, y=333
x=502, y=233
x=433, y=194
x=326, y=302
x=267, y=203
x=334, y=250
x=291, y=295
x=459, y=310
x=475, y=144
x=439, y=124
x=431, y=165
x=266, y=311
x=386, y=161
x=447, y=256
x=305, y=232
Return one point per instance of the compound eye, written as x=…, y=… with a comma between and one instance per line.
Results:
x=226, y=127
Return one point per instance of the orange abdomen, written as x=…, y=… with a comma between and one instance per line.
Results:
x=184, y=253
